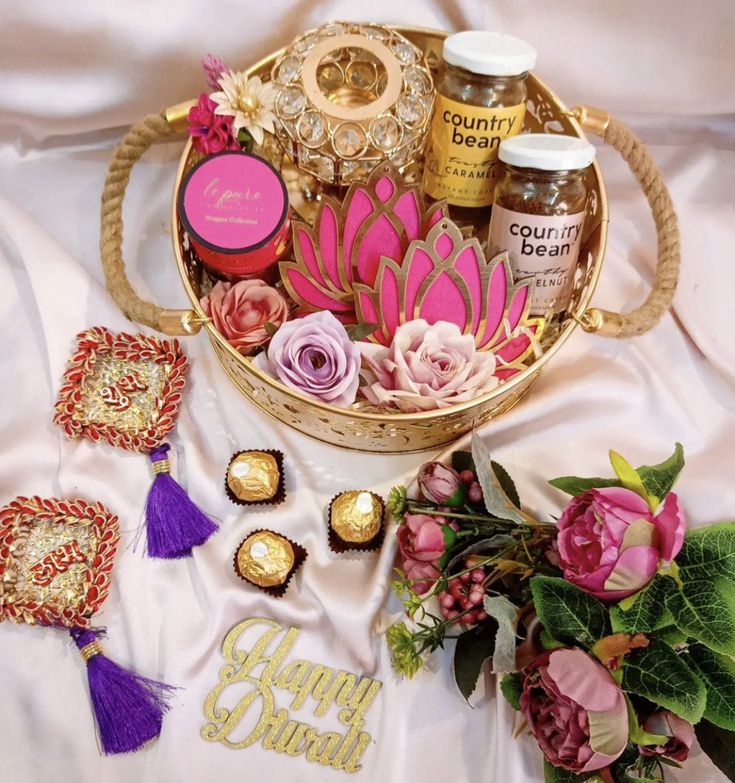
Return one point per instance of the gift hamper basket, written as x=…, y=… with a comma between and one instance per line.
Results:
x=325, y=141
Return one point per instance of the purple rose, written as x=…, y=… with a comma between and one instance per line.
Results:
x=315, y=356
x=611, y=545
x=680, y=735
x=575, y=709
x=441, y=484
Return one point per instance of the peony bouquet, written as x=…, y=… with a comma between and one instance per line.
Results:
x=612, y=629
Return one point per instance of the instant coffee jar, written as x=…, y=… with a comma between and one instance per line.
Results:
x=480, y=100
x=538, y=213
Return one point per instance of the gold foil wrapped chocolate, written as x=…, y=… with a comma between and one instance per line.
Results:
x=255, y=477
x=268, y=560
x=356, y=521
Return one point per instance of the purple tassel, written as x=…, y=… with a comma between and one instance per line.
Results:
x=174, y=523
x=128, y=708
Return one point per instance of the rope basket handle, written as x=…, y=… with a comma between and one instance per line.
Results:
x=185, y=322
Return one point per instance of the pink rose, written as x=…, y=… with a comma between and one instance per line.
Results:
x=422, y=545
x=611, y=545
x=210, y=133
x=426, y=367
x=679, y=731
x=441, y=484
x=575, y=709
x=240, y=311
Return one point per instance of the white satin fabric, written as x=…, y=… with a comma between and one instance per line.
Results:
x=71, y=75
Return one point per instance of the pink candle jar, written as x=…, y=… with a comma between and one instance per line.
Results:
x=234, y=209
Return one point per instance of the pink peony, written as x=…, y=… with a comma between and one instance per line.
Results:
x=611, y=545
x=441, y=484
x=575, y=710
x=679, y=731
x=241, y=310
x=315, y=356
x=422, y=545
x=210, y=133
x=427, y=367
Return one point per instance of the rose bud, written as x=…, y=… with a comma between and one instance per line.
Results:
x=441, y=484
x=575, y=709
x=611, y=545
x=423, y=542
x=679, y=731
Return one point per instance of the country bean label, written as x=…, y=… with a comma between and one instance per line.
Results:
x=542, y=247
x=462, y=156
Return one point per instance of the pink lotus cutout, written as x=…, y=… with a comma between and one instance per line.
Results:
x=380, y=217
x=446, y=277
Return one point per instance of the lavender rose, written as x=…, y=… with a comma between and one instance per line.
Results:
x=241, y=310
x=441, y=484
x=611, y=545
x=315, y=356
x=680, y=735
x=575, y=710
x=427, y=367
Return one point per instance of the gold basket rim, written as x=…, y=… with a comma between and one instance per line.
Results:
x=420, y=416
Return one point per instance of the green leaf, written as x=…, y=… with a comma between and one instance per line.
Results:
x=658, y=674
x=512, y=686
x=568, y=613
x=628, y=475
x=708, y=552
x=462, y=460
x=548, y=642
x=672, y=635
x=473, y=648
x=554, y=774
x=507, y=483
x=505, y=613
x=648, y=612
x=660, y=479
x=270, y=328
x=717, y=672
x=574, y=485
x=705, y=610
x=637, y=734
x=718, y=744
x=360, y=331
x=497, y=502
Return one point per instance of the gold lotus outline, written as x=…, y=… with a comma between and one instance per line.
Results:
x=447, y=265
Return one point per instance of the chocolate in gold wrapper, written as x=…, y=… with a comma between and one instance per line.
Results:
x=255, y=477
x=268, y=560
x=356, y=521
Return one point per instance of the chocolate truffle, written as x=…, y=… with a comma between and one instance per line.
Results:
x=268, y=560
x=255, y=477
x=356, y=521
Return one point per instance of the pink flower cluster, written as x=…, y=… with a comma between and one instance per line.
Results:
x=210, y=133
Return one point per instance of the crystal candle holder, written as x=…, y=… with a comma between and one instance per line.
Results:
x=350, y=96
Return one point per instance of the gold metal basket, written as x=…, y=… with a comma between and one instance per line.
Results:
x=367, y=430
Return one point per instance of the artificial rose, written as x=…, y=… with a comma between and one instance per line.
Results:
x=315, y=356
x=441, y=484
x=679, y=731
x=241, y=310
x=575, y=709
x=427, y=367
x=422, y=545
x=611, y=545
x=210, y=133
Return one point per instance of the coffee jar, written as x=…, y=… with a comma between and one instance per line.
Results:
x=538, y=213
x=480, y=100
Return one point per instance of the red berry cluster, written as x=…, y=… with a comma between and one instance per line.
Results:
x=466, y=592
x=474, y=490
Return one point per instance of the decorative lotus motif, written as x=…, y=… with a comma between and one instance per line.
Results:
x=446, y=277
x=378, y=218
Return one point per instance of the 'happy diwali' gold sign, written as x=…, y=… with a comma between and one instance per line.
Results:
x=242, y=708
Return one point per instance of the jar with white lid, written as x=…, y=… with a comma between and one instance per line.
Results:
x=480, y=100
x=538, y=214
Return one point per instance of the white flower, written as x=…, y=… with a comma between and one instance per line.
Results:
x=248, y=101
